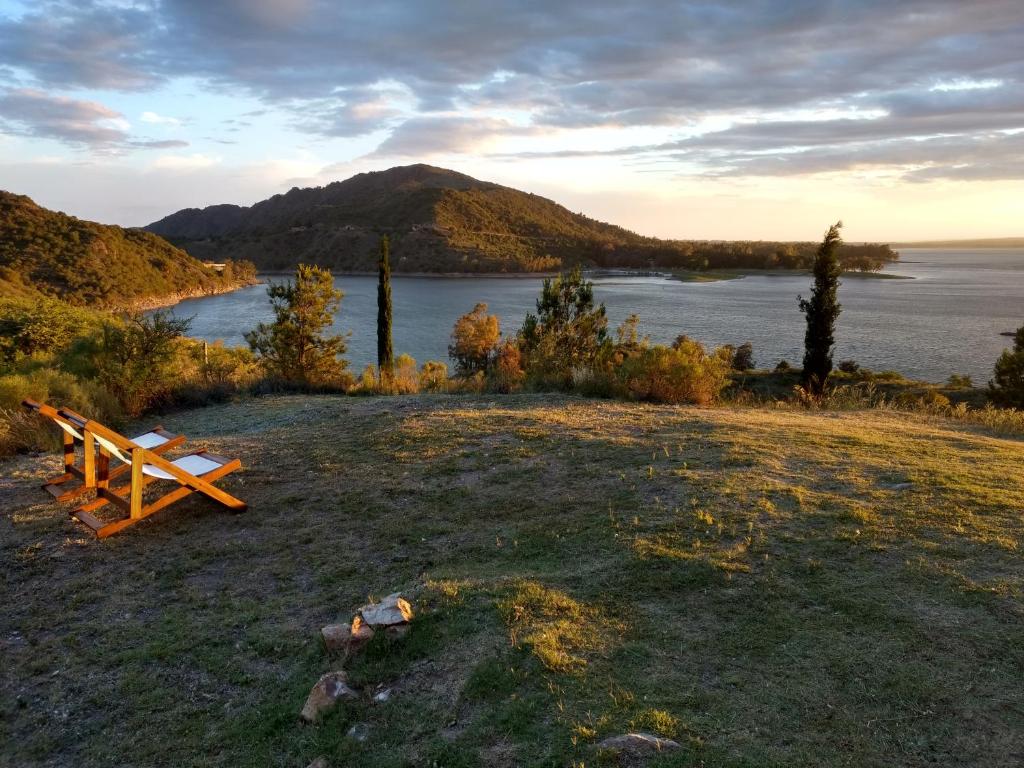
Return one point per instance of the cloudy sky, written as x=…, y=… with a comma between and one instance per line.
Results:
x=761, y=119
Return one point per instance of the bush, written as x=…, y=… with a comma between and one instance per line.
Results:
x=958, y=381
x=475, y=340
x=507, y=373
x=434, y=376
x=1007, y=384
x=783, y=366
x=743, y=358
x=686, y=374
x=849, y=366
x=405, y=379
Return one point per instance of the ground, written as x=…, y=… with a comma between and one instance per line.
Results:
x=766, y=587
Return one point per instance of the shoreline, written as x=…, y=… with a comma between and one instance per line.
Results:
x=163, y=302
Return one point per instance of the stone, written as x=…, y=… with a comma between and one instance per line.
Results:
x=340, y=638
x=393, y=609
x=381, y=696
x=901, y=486
x=359, y=732
x=328, y=690
x=637, y=746
x=359, y=635
x=336, y=636
x=320, y=762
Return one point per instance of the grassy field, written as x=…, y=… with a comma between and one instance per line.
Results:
x=767, y=587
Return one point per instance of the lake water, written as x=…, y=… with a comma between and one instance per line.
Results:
x=945, y=320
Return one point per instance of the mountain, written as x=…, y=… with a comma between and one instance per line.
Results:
x=442, y=221
x=51, y=253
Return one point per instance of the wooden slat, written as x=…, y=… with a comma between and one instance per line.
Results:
x=89, y=520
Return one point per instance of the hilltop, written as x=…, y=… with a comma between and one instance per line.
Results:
x=767, y=587
x=443, y=221
x=85, y=263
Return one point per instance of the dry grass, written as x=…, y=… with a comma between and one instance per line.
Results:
x=759, y=584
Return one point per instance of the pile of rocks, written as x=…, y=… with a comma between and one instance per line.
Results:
x=390, y=616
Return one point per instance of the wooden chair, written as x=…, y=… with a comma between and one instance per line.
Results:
x=156, y=440
x=194, y=473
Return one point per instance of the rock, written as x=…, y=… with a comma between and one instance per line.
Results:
x=901, y=486
x=359, y=732
x=325, y=694
x=342, y=637
x=637, y=746
x=320, y=762
x=393, y=609
x=359, y=635
x=397, y=631
x=336, y=636
x=381, y=696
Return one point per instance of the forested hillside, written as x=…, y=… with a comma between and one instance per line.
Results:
x=442, y=221
x=51, y=253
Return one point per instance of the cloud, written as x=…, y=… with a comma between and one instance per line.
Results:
x=191, y=162
x=156, y=119
x=35, y=113
x=930, y=67
x=424, y=136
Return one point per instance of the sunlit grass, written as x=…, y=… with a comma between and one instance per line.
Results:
x=766, y=586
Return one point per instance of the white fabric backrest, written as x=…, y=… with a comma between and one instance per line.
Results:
x=69, y=429
x=112, y=448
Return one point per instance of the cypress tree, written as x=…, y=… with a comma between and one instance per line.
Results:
x=821, y=311
x=385, y=352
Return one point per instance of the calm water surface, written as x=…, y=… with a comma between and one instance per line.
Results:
x=946, y=320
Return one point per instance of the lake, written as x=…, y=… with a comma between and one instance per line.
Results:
x=946, y=320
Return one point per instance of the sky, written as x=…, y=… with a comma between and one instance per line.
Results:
x=766, y=119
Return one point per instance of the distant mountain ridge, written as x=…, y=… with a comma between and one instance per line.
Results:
x=977, y=242
x=50, y=253
x=443, y=221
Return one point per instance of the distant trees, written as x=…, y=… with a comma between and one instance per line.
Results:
x=385, y=350
x=474, y=341
x=294, y=348
x=821, y=311
x=1007, y=384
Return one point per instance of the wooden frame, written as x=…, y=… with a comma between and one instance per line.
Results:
x=147, y=467
x=72, y=432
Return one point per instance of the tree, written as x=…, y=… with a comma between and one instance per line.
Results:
x=1007, y=384
x=385, y=350
x=293, y=347
x=475, y=340
x=821, y=311
x=567, y=332
x=133, y=358
x=743, y=358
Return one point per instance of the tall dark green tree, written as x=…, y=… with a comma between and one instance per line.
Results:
x=821, y=311
x=385, y=351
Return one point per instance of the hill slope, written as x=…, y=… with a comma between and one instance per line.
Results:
x=767, y=587
x=984, y=242
x=443, y=221
x=82, y=262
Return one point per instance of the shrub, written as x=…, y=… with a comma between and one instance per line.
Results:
x=475, y=340
x=434, y=376
x=29, y=327
x=1007, y=384
x=958, y=381
x=686, y=374
x=849, y=366
x=405, y=379
x=133, y=358
x=743, y=358
x=783, y=366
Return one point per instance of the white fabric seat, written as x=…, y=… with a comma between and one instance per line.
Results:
x=194, y=464
x=149, y=440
